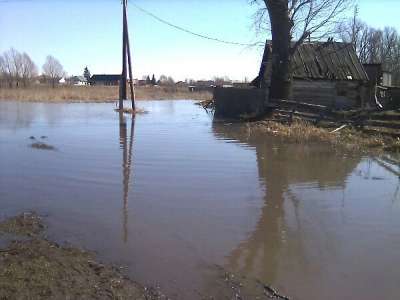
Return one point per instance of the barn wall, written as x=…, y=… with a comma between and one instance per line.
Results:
x=238, y=103
x=336, y=94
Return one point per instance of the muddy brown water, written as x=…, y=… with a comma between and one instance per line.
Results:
x=173, y=194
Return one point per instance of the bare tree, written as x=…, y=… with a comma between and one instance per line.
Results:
x=53, y=70
x=374, y=46
x=28, y=69
x=9, y=65
x=17, y=61
x=299, y=20
x=2, y=71
x=356, y=32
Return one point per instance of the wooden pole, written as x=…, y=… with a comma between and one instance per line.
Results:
x=122, y=90
x=128, y=48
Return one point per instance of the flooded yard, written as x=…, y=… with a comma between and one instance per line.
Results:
x=175, y=197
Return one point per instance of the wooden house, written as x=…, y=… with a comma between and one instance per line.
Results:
x=324, y=73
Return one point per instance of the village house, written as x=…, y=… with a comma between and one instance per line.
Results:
x=77, y=81
x=327, y=74
x=105, y=79
x=201, y=86
x=378, y=75
x=62, y=81
x=181, y=84
x=386, y=95
x=324, y=73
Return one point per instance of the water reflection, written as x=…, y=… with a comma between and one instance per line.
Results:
x=297, y=218
x=126, y=147
x=17, y=115
x=284, y=170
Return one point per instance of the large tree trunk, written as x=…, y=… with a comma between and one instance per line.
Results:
x=281, y=79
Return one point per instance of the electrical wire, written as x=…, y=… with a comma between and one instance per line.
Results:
x=150, y=14
x=188, y=31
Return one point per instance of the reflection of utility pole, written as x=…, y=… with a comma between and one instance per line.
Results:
x=126, y=166
x=126, y=54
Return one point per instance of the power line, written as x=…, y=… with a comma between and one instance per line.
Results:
x=152, y=15
x=190, y=31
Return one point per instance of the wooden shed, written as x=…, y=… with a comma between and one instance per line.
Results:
x=324, y=73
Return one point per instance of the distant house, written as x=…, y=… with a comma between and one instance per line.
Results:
x=378, y=75
x=325, y=73
x=142, y=82
x=240, y=84
x=78, y=81
x=105, y=79
x=181, y=84
x=202, y=85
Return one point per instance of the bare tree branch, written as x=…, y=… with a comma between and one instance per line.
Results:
x=53, y=70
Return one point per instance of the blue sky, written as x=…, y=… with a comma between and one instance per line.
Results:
x=81, y=33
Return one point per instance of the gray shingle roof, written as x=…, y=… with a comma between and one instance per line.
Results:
x=330, y=60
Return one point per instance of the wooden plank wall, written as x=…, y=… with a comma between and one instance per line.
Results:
x=337, y=94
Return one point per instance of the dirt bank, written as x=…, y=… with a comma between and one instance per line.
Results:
x=96, y=93
x=31, y=267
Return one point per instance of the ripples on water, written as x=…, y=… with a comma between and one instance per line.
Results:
x=171, y=193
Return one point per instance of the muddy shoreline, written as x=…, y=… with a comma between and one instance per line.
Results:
x=33, y=267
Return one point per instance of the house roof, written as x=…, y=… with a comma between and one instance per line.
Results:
x=330, y=60
x=106, y=77
x=323, y=60
x=78, y=78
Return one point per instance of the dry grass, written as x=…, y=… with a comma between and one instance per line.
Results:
x=96, y=94
x=304, y=132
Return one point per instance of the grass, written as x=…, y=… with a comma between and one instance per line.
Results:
x=304, y=132
x=42, y=93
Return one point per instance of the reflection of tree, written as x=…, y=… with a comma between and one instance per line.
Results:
x=17, y=115
x=126, y=166
x=280, y=166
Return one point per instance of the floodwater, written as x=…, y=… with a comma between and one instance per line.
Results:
x=171, y=194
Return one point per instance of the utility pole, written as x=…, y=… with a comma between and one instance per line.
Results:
x=122, y=83
x=126, y=54
x=128, y=48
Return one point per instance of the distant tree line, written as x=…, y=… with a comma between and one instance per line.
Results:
x=149, y=81
x=373, y=45
x=18, y=70
x=163, y=80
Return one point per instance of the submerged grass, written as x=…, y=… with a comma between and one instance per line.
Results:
x=42, y=146
x=304, y=132
x=96, y=93
x=26, y=224
x=130, y=111
x=36, y=268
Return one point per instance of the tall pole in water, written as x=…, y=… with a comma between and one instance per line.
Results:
x=128, y=49
x=122, y=84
